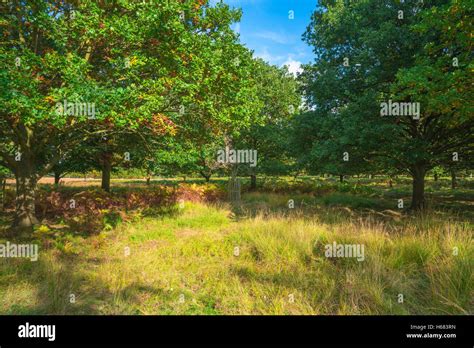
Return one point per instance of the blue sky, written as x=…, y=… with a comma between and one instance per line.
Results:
x=266, y=29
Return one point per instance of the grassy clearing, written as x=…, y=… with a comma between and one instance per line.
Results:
x=186, y=262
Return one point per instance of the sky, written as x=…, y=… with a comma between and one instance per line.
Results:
x=266, y=28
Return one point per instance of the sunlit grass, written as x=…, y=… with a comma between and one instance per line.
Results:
x=205, y=259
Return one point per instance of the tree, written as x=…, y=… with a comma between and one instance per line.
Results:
x=127, y=63
x=268, y=135
x=321, y=148
x=441, y=80
x=371, y=53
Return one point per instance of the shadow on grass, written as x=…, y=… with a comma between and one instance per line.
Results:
x=52, y=286
x=336, y=208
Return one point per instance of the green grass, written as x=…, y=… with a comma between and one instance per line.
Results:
x=185, y=263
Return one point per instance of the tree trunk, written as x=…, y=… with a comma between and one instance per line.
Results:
x=341, y=178
x=57, y=177
x=207, y=177
x=106, y=170
x=253, y=182
x=25, y=215
x=453, y=179
x=148, y=176
x=418, y=194
x=4, y=192
x=436, y=177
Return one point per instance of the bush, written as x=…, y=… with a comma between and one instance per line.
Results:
x=93, y=210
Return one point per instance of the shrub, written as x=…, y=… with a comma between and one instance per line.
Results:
x=93, y=210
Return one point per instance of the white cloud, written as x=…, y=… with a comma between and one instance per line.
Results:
x=273, y=36
x=294, y=66
x=268, y=57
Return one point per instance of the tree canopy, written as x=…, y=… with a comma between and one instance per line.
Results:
x=370, y=54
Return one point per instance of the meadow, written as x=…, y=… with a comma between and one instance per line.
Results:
x=98, y=95
x=182, y=248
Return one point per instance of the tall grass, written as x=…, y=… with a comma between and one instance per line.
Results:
x=208, y=260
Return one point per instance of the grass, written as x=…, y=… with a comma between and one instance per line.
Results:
x=264, y=259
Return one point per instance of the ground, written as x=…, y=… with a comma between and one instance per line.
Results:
x=212, y=257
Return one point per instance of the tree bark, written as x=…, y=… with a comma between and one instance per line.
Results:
x=4, y=192
x=453, y=179
x=207, y=177
x=57, y=177
x=418, y=194
x=435, y=176
x=106, y=170
x=253, y=182
x=148, y=176
x=25, y=215
x=341, y=178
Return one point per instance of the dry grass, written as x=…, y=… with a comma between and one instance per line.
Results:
x=187, y=264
